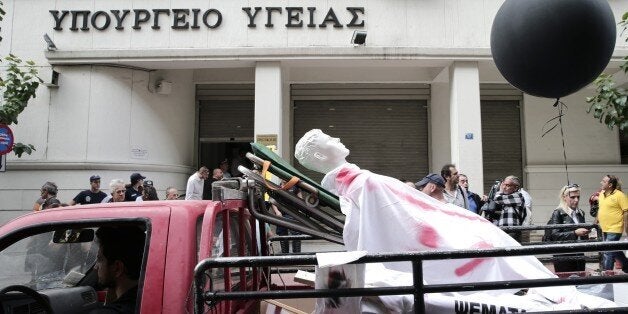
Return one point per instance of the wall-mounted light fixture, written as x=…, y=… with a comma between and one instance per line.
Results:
x=358, y=38
x=163, y=87
x=51, y=44
x=54, y=80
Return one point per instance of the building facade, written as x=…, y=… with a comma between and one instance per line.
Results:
x=160, y=87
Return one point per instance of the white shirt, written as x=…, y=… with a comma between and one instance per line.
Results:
x=194, y=188
x=527, y=200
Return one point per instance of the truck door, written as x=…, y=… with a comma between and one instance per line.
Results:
x=229, y=233
x=71, y=263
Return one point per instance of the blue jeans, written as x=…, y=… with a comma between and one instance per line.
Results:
x=610, y=257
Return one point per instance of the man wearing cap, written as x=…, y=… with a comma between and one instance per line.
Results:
x=433, y=185
x=92, y=196
x=196, y=182
x=133, y=193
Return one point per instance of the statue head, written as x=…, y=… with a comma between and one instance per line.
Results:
x=320, y=152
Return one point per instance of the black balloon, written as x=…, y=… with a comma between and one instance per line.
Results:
x=552, y=48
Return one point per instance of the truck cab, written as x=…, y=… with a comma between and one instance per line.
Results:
x=48, y=257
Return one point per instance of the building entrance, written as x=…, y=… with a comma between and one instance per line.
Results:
x=226, y=120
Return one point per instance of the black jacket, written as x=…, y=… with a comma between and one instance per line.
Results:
x=559, y=217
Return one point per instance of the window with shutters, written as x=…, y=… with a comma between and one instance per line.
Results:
x=388, y=137
x=501, y=140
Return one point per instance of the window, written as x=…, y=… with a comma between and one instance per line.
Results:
x=46, y=260
x=501, y=124
x=67, y=263
x=235, y=237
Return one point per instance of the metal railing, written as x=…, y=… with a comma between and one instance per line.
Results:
x=418, y=289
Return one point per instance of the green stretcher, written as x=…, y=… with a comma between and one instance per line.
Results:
x=285, y=171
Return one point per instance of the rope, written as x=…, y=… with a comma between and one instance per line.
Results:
x=292, y=182
x=559, y=122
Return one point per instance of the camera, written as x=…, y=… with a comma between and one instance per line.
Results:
x=494, y=188
x=491, y=210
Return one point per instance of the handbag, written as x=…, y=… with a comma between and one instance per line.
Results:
x=594, y=208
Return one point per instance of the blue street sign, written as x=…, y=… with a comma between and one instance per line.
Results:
x=6, y=139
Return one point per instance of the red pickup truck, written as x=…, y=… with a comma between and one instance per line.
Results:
x=47, y=257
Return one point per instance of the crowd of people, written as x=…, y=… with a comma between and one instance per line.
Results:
x=507, y=204
x=137, y=190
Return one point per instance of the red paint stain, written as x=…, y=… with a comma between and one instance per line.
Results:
x=425, y=206
x=467, y=267
x=428, y=236
x=345, y=177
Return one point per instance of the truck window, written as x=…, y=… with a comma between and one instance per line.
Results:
x=235, y=238
x=42, y=262
x=73, y=262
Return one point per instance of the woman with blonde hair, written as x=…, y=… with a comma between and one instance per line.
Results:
x=568, y=213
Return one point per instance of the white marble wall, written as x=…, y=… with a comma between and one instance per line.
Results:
x=96, y=117
x=403, y=23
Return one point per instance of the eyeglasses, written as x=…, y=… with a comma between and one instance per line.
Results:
x=573, y=185
x=120, y=191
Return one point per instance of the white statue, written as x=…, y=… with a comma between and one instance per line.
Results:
x=320, y=152
x=385, y=215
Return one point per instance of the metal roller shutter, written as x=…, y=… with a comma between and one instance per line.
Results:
x=387, y=136
x=501, y=140
x=226, y=112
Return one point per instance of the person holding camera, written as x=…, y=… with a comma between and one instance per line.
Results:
x=512, y=205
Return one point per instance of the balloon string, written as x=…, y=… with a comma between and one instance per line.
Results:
x=560, y=106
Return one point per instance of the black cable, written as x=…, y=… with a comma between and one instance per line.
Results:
x=560, y=106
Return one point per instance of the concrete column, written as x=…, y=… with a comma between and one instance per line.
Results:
x=440, y=133
x=269, y=101
x=466, y=122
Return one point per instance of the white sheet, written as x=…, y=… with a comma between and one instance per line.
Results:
x=386, y=215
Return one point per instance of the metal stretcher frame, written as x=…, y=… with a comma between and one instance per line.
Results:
x=285, y=171
x=319, y=220
x=418, y=289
